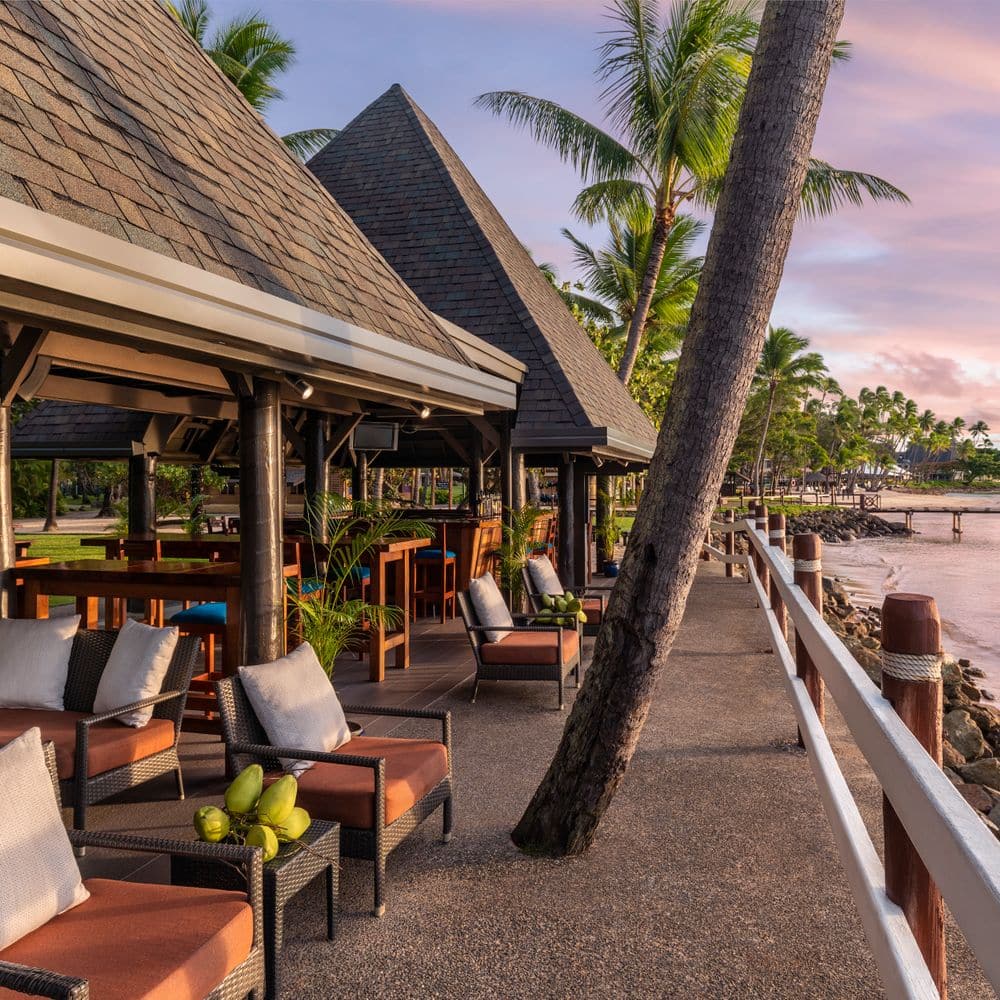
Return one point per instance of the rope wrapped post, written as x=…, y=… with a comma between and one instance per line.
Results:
x=729, y=542
x=762, y=572
x=807, y=555
x=776, y=538
x=911, y=682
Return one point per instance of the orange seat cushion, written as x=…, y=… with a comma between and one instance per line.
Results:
x=110, y=745
x=592, y=609
x=133, y=941
x=346, y=794
x=531, y=648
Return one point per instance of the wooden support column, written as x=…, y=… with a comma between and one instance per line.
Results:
x=141, y=495
x=317, y=469
x=262, y=583
x=359, y=479
x=581, y=536
x=807, y=556
x=8, y=603
x=474, y=482
x=604, y=514
x=451, y=489
x=776, y=537
x=567, y=523
x=911, y=682
x=505, y=460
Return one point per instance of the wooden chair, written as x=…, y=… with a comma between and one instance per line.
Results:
x=97, y=756
x=379, y=789
x=435, y=572
x=529, y=653
x=119, y=935
x=136, y=550
x=594, y=601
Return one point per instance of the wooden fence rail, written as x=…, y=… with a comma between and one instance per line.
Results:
x=961, y=856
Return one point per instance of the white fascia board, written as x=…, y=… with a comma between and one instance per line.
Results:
x=73, y=260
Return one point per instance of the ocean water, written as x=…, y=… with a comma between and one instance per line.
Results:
x=962, y=576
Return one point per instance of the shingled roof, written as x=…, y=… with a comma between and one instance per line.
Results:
x=77, y=430
x=409, y=192
x=111, y=116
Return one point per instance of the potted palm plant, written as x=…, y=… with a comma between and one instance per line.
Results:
x=329, y=620
x=514, y=551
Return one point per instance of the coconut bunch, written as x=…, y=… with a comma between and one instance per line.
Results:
x=566, y=610
x=253, y=815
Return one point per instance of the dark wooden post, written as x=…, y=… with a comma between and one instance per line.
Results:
x=474, y=481
x=911, y=681
x=729, y=541
x=776, y=537
x=761, y=525
x=567, y=523
x=52, y=501
x=451, y=489
x=581, y=533
x=142, y=495
x=8, y=605
x=359, y=479
x=317, y=470
x=262, y=583
x=807, y=554
x=505, y=461
x=604, y=512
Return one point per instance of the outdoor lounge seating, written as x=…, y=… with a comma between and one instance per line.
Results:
x=526, y=653
x=132, y=939
x=96, y=756
x=593, y=599
x=378, y=789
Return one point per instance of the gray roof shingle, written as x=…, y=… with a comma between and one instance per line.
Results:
x=409, y=192
x=112, y=116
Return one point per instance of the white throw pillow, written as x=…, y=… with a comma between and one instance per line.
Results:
x=544, y=577
x=296, y=705
x=490, y=606
x=34, y=661
x=135, y=670
x=38, y=872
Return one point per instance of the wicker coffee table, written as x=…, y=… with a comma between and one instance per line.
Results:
x=317, y=852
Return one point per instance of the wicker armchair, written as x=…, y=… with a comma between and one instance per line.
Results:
x=79, y=786
x=552, y=657
x=594, y=601
x=247, y=743
x=245, y=980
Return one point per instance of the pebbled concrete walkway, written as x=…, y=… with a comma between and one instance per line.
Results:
x=714, y=874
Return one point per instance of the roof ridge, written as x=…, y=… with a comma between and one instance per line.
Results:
x=507, y=284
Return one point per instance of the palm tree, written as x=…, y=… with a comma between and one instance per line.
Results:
x=672, y=97
x=785, y=366
x=980, y=432
x=251, y=53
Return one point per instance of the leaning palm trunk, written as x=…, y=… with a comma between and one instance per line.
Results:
x=637, y=325
x=746, y=255
x=758, y=468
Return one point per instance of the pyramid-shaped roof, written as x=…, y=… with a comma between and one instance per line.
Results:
x=409, y=192
x=111, y=116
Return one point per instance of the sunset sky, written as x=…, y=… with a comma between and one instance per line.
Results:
x=906, y=296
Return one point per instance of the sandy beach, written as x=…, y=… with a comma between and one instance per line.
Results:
x=932, y=501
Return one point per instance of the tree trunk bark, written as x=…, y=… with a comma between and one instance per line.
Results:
x=51, y=510
x=534, y=488
x=637, y=325
x=743, y=265
x=605, y=513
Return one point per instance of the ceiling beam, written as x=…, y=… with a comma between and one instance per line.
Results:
x=19, y=361
x=75, y=390
x=340, y=434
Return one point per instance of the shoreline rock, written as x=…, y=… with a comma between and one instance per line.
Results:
x=970, y=724
x=843, y=525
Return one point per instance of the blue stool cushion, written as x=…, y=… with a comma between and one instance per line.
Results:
x=311, y=586
x=434, y=554
x=361, y=573
x=213, y=613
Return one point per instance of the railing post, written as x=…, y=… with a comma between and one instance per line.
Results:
x=911, y=681
x=729, y=541
x=807, y=554
x=776, y=538
x=706, y=556
x=762, y=573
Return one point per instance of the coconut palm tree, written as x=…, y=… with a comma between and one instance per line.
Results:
x=672, y=96
x=785, y=366
x=980, y=432
x=251, y=53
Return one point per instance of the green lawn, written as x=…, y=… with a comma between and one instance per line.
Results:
x=60, y=548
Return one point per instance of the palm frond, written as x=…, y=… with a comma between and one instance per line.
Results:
x=308, y=141
x=606, y=199
x=192, y=16
x=827, y=188
x=592, y=151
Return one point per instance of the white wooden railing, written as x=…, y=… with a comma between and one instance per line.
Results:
x=961, y=854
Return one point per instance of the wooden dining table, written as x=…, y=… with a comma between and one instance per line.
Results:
x=90, y=580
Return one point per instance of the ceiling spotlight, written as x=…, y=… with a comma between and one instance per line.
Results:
x=300, y=385
x=425, y=412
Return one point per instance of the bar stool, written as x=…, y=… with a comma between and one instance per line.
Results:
x=435, y=573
